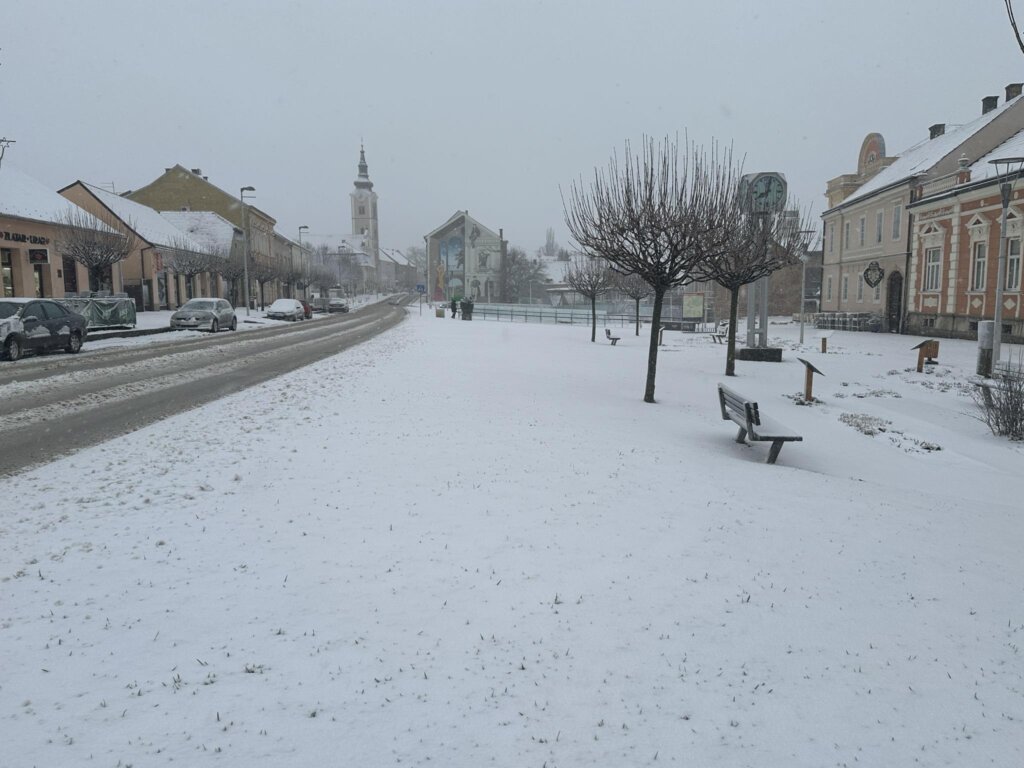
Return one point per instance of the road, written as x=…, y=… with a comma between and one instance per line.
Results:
x=54, y=405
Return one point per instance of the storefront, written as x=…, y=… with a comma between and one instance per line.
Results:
x=30, y=263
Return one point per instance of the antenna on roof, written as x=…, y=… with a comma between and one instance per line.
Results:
x=4, y=144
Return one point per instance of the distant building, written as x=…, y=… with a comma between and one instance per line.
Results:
x=464, y=258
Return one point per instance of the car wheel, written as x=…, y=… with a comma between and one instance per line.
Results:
x=214, y=326
x=234, y=324
x=74, y=343
x=13, y=349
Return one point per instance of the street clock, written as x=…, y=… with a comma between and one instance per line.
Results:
x=763, y=192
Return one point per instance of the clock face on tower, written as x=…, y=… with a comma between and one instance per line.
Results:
x=767, y=193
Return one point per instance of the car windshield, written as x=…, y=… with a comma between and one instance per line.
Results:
x=202, y=304
x=283, y=304
x=9, y=309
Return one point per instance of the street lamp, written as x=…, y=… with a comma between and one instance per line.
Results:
x=245, y=241
x=1007, y=170
x=303, y=227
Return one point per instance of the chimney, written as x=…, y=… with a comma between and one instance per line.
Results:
x=1013, y=90
x=936, y=130
x=988, y=104
x=199, y=171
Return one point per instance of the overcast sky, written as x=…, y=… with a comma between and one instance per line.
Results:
x=485, y=106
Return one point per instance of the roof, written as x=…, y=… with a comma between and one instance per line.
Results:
x=211, y=230
x=26, y=198
x=147, y=223
x=456, y=215
x=924, y=155
x=982, y=168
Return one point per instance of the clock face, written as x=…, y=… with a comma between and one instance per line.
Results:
x=768, y=193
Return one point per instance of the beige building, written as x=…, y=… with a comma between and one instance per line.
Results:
x=869, y=220
x=464, y=258
x=31, y=262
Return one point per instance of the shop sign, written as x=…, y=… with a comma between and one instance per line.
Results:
x=38, y=255
x=18, y=237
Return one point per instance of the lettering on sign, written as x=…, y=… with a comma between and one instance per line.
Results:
x=927, y=216
x=18, y=237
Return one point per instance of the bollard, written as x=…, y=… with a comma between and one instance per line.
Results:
x=824, y=345
x=986, y=340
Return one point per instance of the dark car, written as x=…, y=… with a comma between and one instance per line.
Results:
x=39, y=325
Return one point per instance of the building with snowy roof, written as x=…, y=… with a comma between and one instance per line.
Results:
x=869, y=225
x=464, y=258
x=32, y=218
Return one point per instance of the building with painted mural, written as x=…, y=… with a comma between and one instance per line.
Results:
x=464, y=258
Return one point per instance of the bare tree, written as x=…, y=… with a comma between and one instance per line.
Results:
x=94, y=244
x=520, y=275
x=636, y=288
x=231, y=268
x=655, y=215
x=263, y=270
x=590, y=278
x=187, y=261
x=760, y=243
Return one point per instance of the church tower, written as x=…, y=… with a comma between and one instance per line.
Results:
x=364, y=210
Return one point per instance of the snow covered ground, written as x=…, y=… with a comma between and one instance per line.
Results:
x=472, y=543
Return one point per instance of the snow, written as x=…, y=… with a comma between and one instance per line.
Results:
x=26, y=198
x=922, y=156
x=471, y=543
x=146, y=222
x=214, y=233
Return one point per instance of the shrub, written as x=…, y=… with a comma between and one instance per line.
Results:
x=1001, y=405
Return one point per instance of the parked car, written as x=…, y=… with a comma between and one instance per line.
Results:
x=307, y=308
x=39, y=325
x=205, y=314
x=286, y=309
x=337, y=305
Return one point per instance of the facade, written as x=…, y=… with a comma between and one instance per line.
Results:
x=464, y=258
x=160, y=270
x=181, y=189
x=869, y=219
x=31, y=263
x=955, y=247
x=218, y=238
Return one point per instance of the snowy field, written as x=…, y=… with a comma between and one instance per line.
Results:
x=471, y=543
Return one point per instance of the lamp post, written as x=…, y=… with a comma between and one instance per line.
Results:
x=303, y=227
x=1007, y=170
x=245, y=248
x=805, y=234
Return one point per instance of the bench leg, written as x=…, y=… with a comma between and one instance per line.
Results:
x=742, y=436
x=613, y=342
x=773, y=454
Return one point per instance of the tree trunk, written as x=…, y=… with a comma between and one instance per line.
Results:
x=730, y=349
x=652, y=350
x=593, y=318
x=637, y=316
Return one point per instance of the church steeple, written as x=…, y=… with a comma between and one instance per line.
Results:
x=363, y=180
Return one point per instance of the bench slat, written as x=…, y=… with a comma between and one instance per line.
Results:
x=753, y=426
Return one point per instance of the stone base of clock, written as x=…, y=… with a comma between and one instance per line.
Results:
x=760, y=354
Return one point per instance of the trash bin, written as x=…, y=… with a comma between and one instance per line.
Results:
x=438, y=312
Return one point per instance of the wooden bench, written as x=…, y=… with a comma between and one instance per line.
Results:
x=718, y=338
x=612, y=339
x=753, y=425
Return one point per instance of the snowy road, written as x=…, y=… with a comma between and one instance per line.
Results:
x=53, y=406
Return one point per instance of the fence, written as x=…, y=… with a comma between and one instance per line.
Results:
x=533, y=313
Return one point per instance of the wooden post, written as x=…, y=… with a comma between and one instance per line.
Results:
x=809, y=371
x=920, y=359
x=824, y=345
x=929, y=348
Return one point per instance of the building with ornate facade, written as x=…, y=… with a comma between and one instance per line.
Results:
x=464, y=258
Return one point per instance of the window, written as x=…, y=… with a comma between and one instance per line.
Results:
x=860, y=287
x=897, y=214
x=8, y=271
x=362, y=210
x=1012, y=264
x=828, y=289
x=831, y=237
x=879, y=223
x=846, y=287
x=932, y=267
x=860, y=235
x=978, y=266
x=55, y=311
x=878, y=294
x=846, y=235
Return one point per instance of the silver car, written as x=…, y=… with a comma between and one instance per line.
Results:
x=286, y=309
x=204, y=315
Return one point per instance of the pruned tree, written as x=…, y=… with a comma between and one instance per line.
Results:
x=655, y=215
x=185, y=260
x=95, y=245
x=323, y=277
x=589, y=277
x=231, y=267
x=759, y=244
x=264, y=270
x=636, y=288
